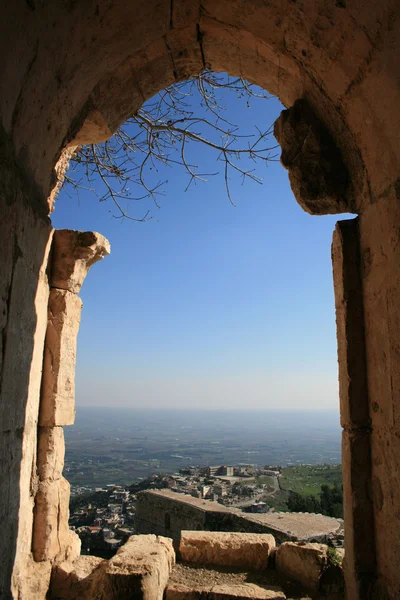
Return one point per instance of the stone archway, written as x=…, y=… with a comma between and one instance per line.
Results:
x=73, y=72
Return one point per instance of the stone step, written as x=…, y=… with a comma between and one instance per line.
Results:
x=242, y=591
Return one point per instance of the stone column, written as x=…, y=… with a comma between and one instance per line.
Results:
x=360, y=557
x=72, y=255
x=321, y=182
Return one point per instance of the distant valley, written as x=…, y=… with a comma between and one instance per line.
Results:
x=117, y=445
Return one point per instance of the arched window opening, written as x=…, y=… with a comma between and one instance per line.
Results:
x=149, y=338
x=218, y=313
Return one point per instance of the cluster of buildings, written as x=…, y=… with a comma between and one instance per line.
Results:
x=242, y=486
x=107, y=520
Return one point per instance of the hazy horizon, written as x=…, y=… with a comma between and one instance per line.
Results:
x=117, y=444
x=214, y=409
x=259, y=392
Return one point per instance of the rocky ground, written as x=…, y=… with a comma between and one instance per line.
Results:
x=192, y=576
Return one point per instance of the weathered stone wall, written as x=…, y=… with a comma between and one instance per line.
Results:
x=77, y=71
x=72, y=254
x=163, y=515
x=156, y=509
x=366, y=266
x=25, y=237
x=72, y=72
x=354, y=409
x=34, y=507
x=380, y=267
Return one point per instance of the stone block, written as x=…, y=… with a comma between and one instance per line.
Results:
x=52, y=538
x=73, y=253
x=45, y=544
x=57, y=405
x=302, y=562
x=176, y=591
x=140, y=570
x=69, y=541
x=239, y=550
x=51, y=452
x=70, y=546
x=73, y=581
x=32, y=580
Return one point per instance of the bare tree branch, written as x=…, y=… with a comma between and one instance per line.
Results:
x=161, y=134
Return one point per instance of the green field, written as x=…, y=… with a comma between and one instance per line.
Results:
x=264, y=480
x=278, y=502
x=307, y=479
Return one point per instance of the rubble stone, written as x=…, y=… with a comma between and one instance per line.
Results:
x=302, y=562
x=239, y=550
x=140, y=570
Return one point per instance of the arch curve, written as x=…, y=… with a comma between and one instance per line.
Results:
x=75, y=70
x=81, y=78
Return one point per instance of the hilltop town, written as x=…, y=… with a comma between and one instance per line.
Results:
x=104, y=518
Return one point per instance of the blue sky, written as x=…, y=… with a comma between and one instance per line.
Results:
x=209, y=305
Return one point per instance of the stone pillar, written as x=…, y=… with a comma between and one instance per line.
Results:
x=72, y=255
x=360, y=557
x=25, y=241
